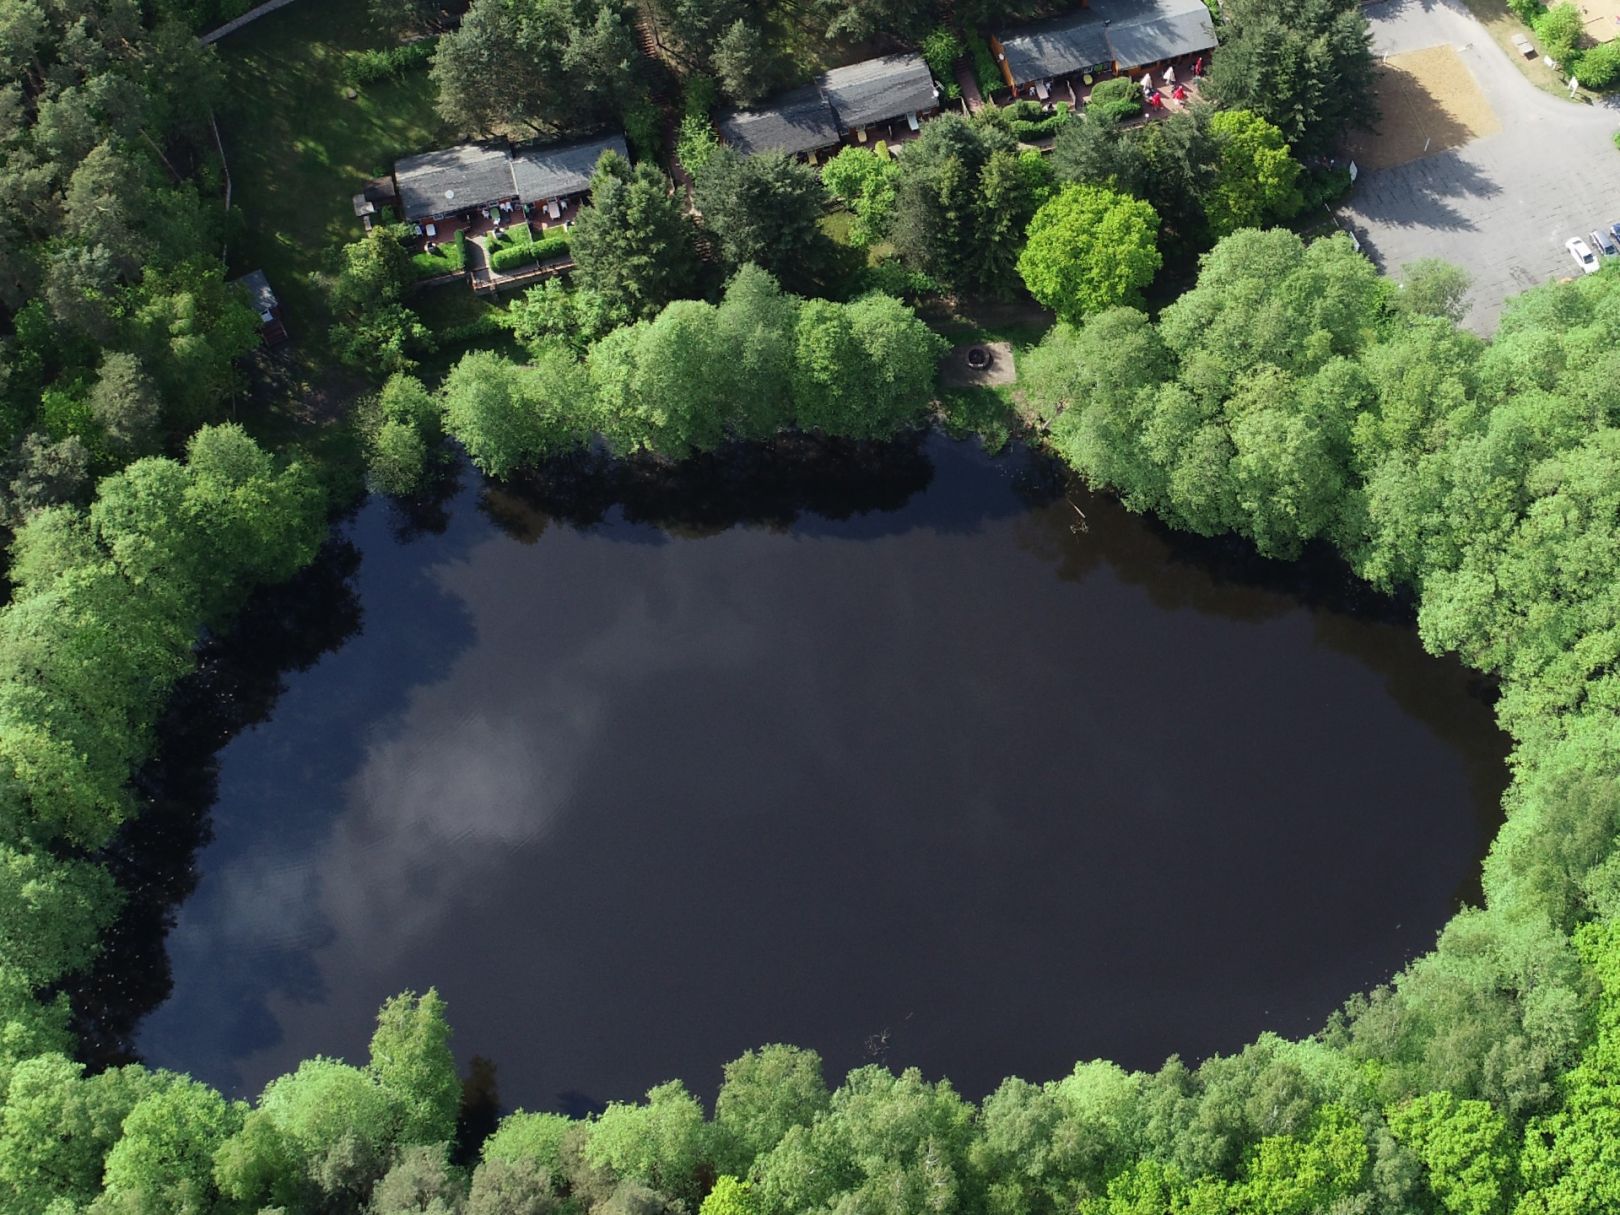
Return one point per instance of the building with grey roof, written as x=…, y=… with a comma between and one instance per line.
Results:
x=878, y=90
x=560, y=170
x=263, y=301
x=463, y=178
x=1062, y=47
x=1141, y=32
x=798, y=122
x=1104, y=36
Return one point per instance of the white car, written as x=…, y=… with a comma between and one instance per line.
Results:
x=1583, y=255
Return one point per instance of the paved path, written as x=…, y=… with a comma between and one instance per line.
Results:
x=230, y=27
x=1502, y=206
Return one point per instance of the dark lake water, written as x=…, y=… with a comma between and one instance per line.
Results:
x=870, y=751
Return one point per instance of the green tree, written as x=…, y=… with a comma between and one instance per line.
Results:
x=729, y=1197
x=164, y=1157
x=1305, y=66
x=662, y=1144
x=866, y=183
x=743, y=63
x=1571, y=1157
x=632, y=246
x=765, y=210
x=511, y=1187
x=766, y=1092
x=533, y=1138
x=937, y=216
x=57, y=1126
x=125, y=405
x=507, y=415
x=1090, y=249
x=1432, y=287
x=323, y=1135
x=1464, y=1147
x=52, y=913
x=421, y=1182
x=844, y=382
x=401, y=426
x=410, y=1056
x=1257, y=179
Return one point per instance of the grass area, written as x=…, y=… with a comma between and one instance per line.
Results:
x=1503, y=23
x=299, y=149
x=453, y=310
x=995, y=414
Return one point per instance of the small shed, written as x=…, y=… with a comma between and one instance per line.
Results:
x=272, y=328
x=797, y=122
x=466, y=178
x=561, y=171
x=880, y=90
x=369, y=203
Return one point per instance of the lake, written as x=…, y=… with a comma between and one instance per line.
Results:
x=905, y=753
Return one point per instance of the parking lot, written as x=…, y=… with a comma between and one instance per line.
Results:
x=1502, y=205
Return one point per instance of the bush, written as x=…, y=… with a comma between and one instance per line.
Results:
x=893, y=277
x=1599, y=68
x=940, y=50
x=1318, y=187
x=1042, y=125
x=1559, y=30
x=1527, y=10
x=985, y=69
x=521, y=252
x=1116, y=100
x=695, y=143
x=372, y=67
x=641, y=119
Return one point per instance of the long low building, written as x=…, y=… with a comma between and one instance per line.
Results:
x=799, y=122
x=839, y=102
x=473, y=177
x=1103, y=37
x=432, y=185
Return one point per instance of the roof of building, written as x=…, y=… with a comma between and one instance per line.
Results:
x=1056, y=48
x=558, y=170
x=1129, y=33
x=876, y=90
x=258, y=292
x=455, y=179
x=1146, y=31
x=799, y=121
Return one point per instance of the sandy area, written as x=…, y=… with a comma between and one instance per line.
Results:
x=955, y=372
x=1601, y=18
x=1430, y=102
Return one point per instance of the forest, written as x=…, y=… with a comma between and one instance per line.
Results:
x=1225, y=375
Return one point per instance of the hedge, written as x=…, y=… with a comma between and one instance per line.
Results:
x=371, y=67
x=1030, y=121
x=446, y=259
x=523, y=252
x=985, y=69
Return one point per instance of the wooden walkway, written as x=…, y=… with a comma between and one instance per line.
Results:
x=970, y=87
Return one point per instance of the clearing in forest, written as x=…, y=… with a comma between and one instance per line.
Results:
x=1429, y=102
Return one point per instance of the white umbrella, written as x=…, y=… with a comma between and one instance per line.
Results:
x=1170, y=74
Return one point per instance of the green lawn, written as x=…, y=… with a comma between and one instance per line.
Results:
x=299, y=150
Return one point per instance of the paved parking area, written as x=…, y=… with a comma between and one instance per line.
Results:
x=1503, y=205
